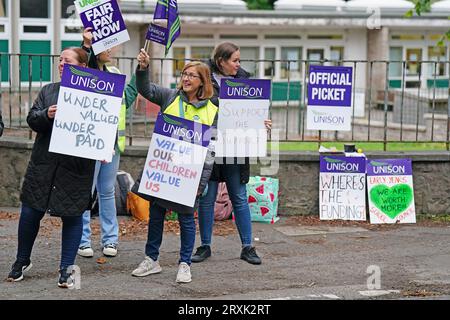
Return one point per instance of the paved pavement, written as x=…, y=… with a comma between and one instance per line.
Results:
x=322, y=262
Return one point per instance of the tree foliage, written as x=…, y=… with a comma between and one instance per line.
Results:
x=260, y=4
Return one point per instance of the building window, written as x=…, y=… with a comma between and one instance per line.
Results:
x=437, y=54
x=408, y=37
x=250, y=53
x=34, y=9
x=201, y=53
x=293, y=54
x=336, y=54
x=269, y=54
x=179, y=54
x=315, y=55
x=413, y=56
x=3, y=9
x=67, y=9
x=325, y=37
x=395, y=68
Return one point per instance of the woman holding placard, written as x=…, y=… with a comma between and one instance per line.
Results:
x=106, y=172
x=226, y=63
x=54, y=183
x=192, y=101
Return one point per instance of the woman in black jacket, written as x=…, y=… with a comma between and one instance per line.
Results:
x=235, y=172
x=54, y=183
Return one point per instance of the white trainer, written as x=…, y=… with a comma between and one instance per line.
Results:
x=146, y=267
x=110, y=250
x=86, y=252
x=184, y=273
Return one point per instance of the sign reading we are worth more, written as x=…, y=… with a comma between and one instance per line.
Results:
x=106, y=20
x=391, y=193
x=175, y=159
x=244, y=105
x=342, y=188
x=329, y=98
x=87, y=117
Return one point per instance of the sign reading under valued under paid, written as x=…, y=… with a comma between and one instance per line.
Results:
x=86, y=121
x=175, y=159
x=342, y=188
x=106, y=21
x=391, y=193
x=244, y=105
x=329, y=98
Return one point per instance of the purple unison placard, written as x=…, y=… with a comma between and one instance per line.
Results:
x=157, y=34
x=342, y=164
x=389, y=167
x=182, y=129
x=330, y=86
x=93, y=80
x=245, y=89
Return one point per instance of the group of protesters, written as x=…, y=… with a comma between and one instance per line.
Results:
x=63, y=185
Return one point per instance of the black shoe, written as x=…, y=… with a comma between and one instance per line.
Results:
x=201, y=254
x=249, y=254
x=65, y=279
x=17, y=271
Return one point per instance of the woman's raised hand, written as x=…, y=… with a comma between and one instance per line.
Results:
x=143, y=59
x=87, y=37
x=268, y=124
x=51, y=112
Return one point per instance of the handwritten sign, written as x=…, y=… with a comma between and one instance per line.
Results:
x=329, y=98
x=105, y=18
x=175, y=159
x=390, y=189
x=89, y=104
x=244, y=105
x=342, y=188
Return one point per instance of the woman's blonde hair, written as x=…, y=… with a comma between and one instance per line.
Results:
x=206, y=90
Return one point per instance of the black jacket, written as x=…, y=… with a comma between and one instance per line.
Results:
x=1, y=125
x=218, y=173
x=56, y=183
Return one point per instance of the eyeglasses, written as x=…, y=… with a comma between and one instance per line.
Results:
x=189, y=76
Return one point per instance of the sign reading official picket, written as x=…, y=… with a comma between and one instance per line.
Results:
x=329, y=98
x=175, y=159
x=243, y=107
x=105, y=18
x=87, y=117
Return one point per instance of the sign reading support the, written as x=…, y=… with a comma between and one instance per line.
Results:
x=329, y=98
x=342, y=188
x=106, y=20
x=390, y=189
x=175, y=159
x=244, y=105
x=86, y=121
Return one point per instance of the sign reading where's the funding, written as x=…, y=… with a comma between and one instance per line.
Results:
x=329, y=98
x=391, y=193
x=175, y=159
x=87, y=117
x=106, y=20
x=342, y=188
x=244, y=105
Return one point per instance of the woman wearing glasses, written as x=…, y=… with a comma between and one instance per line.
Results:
x=190, y=100
x=226, y=63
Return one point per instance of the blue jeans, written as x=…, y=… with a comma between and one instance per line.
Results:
x=29, y=223
x=105, y=180
x=155, y=233
x=238, y=196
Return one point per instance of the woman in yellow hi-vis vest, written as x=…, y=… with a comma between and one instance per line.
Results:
x=191, y=100
x=106, y=172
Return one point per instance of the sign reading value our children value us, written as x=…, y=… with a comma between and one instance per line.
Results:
x=86, y=121
x=106, y=20
x=244, y=105
x=175, y=159
x=342, y=188
x=391, y=193
x=329, y=98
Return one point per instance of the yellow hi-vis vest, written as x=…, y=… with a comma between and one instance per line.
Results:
x=204, y=115
x=121, y=139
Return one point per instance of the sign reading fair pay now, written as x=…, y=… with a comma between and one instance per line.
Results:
x=329, y=98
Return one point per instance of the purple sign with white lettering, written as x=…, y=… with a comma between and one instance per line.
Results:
x=245, y=89
x=93, y=80
x=182, y=129
x=157, y=34
x=341, y=164
x=389, y=167
x=330, y=86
